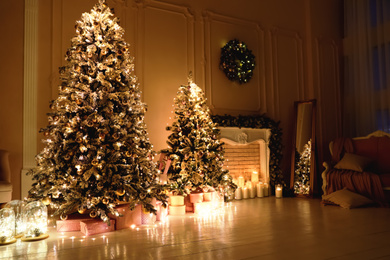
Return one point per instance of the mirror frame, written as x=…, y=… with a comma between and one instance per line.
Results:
x=313, y=179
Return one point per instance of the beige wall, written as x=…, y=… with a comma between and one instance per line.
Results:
x=296, y=44
x=11, y=85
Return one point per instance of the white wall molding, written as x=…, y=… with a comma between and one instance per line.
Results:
x=30, y=92
x=293, y=41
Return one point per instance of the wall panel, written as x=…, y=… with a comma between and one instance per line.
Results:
x=328, y=92
x=224, y=95
x=166, y=36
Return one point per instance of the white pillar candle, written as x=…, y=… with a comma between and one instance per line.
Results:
x=278, y=191
x=238, y=193
x=241, y=181
x=266, y=190
x=255, y=177
x=252, y=192
x=260, y=190
x=245, y=193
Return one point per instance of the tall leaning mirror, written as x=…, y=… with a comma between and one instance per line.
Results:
x=303, y=170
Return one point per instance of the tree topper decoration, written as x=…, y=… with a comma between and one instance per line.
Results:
x=237, y=61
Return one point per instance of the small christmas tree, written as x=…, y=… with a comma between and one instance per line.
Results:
x=97, y=150
x=302, y=170
x=194, y=147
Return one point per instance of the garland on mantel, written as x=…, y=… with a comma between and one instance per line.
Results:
x=275, y=142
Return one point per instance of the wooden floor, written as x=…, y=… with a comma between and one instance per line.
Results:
x=261, y=228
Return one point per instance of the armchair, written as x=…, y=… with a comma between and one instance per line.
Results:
x=5, y=177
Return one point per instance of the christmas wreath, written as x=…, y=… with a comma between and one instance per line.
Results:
x=237, y=61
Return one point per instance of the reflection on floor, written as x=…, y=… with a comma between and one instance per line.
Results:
x=260, y=228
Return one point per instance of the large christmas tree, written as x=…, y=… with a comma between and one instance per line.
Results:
x=97, y=151
x=195, y=150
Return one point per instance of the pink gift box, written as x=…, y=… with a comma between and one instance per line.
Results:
x=95, y=226
x=128, y=218
x=72, y=223
x=189, y=205
x=196, y=197
x=148, y=218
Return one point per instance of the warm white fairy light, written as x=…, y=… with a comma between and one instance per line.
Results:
x=35, y=219
x=7, y=225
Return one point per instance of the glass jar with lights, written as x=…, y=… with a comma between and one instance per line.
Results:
x=35, y=219
x=17, y=206
x=7, y=226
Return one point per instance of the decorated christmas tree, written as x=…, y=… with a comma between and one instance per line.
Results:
x=195, y=151
x=97, y=151
x=302, y=170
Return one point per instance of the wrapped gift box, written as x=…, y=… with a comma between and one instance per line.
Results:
x=176, y=200
x=128, y=218
x=148, y=218
x=177, y=210
x=196, y=197
x=162, y=212
x=203, y=208
x=72, y=223
x=209, y=196
x=95, y=226
x=189, y=206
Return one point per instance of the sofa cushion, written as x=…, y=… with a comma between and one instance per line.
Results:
x=383, y=156
x=353, y=162
x=376, y=148
x=347, y=199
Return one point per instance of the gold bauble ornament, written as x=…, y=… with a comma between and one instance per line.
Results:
x=145, y=210
x=93, y=214
x=120, y=192
x=82, y=210
x=46, y=201
x=64, y=217
x=105, y=201
x=100, y=185
x=94, y=201
x=95, y=162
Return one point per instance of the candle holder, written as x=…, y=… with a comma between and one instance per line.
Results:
x=260, y=190
x=7, y=226
x=238, y=193
x=266, y=189
x=17, y=206
x=35, y=219
x=278, y=191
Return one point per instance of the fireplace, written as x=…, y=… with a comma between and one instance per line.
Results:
x=246, y=151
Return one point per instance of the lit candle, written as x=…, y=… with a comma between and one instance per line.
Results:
x=238, y=193
x=278, y=191
x=260, y=190
x=245, y=193
x=251, y=189
x=266, y=190
x=255, y=177
x=241, y=181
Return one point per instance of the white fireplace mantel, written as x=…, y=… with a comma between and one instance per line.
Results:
x=242, y=136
